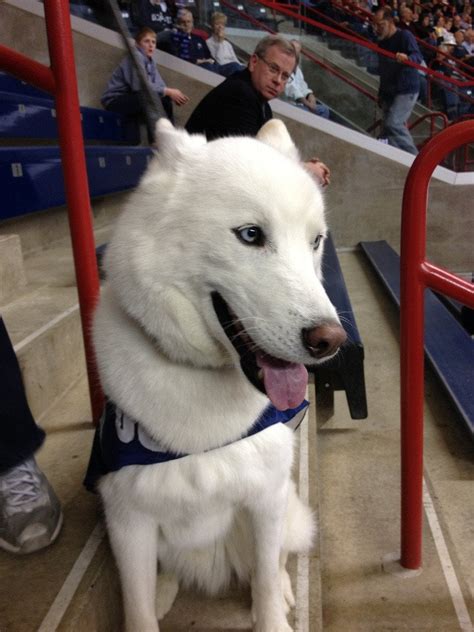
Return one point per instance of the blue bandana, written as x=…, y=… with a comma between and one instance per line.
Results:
x=120, y=440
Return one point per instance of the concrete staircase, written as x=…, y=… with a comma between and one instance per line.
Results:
x=38, y=300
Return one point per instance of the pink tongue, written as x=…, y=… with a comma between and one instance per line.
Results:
x=285, y=386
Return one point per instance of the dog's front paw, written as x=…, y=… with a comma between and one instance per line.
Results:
x=166, y=590
x=269, y=621
x=287, y=590
x=272, y=626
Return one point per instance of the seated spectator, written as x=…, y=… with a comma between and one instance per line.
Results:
x=299, y=93
x=459, y=51
x=124, y=93
x=469, y=45
x=456, y=24
x=466, y=20
x=449, y=24
x=157, y=15
x=220, y=48
x=429, y=54
x=406, y=20
x=452, y=97
x=440, y=28
x=423, y=26
x=188, y=46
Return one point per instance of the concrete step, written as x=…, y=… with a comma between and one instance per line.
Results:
x=44, y=327
x=41, y=310
x=12, y=272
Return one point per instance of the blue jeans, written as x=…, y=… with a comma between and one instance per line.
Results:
x=226, y=70
x=396, y=113
x=321, y=109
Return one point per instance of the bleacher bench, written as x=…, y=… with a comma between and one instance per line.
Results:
x=26, y=116
x=27, y=112
x=463, y=313
x=33, y=176
x=346, y=370
x=448, y=346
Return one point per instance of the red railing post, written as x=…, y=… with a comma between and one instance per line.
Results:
x=415, y=275
x=58, y=25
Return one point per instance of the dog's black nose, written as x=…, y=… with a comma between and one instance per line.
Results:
x=324, y=340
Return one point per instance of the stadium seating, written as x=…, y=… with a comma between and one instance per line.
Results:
x=448, y=346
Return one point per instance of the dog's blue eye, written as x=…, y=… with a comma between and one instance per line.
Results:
x=317, y=242
x=251, y=235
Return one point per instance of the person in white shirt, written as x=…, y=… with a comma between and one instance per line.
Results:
x=469, y=43
x=299, y=93
x=221, y=49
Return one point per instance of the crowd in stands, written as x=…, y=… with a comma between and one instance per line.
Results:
x=444, y=33
x=173, y=30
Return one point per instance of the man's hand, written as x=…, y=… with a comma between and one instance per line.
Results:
x=401, y=57
x=319, y=171
x=311, y=101
x=176, y=96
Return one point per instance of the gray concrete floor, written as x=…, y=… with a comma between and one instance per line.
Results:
x=353, y=487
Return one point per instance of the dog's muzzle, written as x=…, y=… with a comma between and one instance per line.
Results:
x=283, y=382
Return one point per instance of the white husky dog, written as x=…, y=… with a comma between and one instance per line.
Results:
x=212, y=307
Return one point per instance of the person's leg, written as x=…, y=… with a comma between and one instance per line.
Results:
x=168, y=108
x=322, y=110
x=20, y=437
x=132, y=108
x=209, y=66
x=226, y=70
x=127, y=104
x=30, y=513
x=396, y=115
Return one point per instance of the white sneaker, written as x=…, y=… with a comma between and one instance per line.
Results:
x=30, y=513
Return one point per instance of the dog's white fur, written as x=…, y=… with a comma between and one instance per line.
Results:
x=165, y=360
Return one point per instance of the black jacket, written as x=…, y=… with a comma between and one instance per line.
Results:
x=233, y=108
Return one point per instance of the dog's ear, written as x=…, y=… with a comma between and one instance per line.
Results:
x=175, y=144
x=275, y=134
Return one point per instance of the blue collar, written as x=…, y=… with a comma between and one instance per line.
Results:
x=120, y=440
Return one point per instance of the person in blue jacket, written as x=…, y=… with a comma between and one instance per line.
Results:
x=399, y=82
x=188, y=45
x=124, y=93
x=158, y=15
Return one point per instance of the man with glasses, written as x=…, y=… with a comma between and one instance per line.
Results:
x=239, y=105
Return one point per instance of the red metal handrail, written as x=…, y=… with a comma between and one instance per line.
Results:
x=432, y=116
x=416, y=274
x=60, y=80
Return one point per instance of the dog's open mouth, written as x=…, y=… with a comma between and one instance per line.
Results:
x=284, y=383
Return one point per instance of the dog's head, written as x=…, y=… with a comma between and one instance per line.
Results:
x=218, y=257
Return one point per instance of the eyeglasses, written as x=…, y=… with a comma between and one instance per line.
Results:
x=277, y=71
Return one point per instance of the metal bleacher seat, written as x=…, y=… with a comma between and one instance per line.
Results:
x=448, y=346
x=29, y=116
x=346, y=370
x=33, y=175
